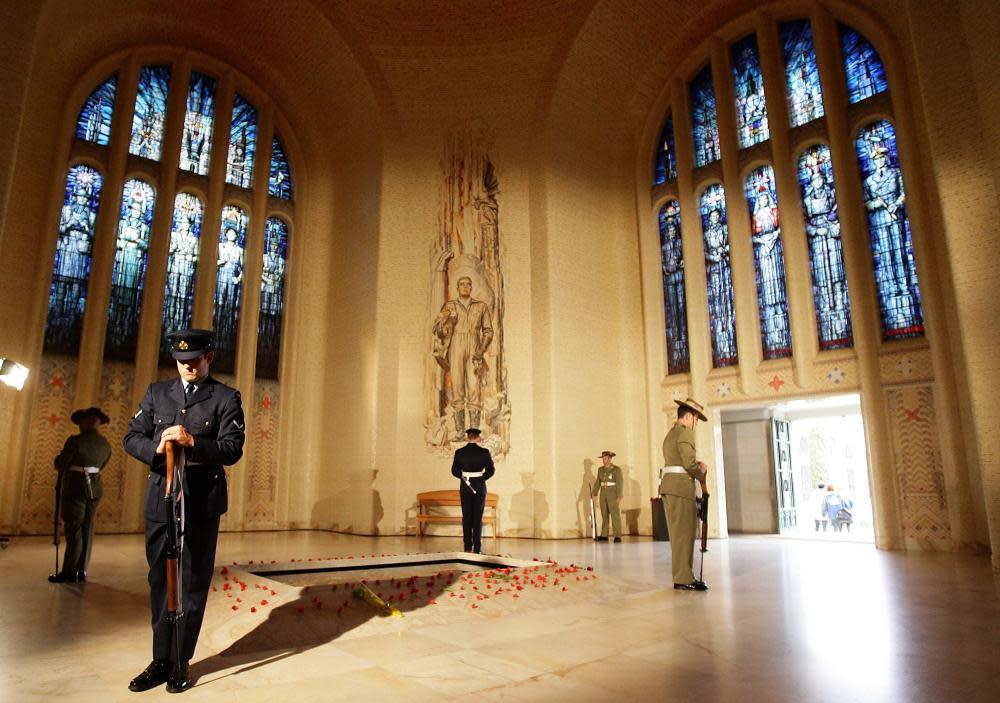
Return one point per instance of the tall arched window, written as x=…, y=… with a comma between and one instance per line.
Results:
x=672, y=263
x=748, y=83
x=128, y=277
x=229, y=286
x=150, y=112
x=843, y=55
x=826, y=256
x=182, y=265
x=272, y=297
x=805, y=97
x=889, y=227
x=94, y=122
x=181, y=253
x=704, y=117
x=769, y=262
x=71, y=268
x=721, y=309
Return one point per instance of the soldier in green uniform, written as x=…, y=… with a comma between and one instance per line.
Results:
x=609, y=485
x=80, y=461
x=677, y=486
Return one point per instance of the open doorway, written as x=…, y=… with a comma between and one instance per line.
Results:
x=798, y=469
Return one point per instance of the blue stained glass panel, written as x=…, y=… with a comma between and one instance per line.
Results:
x=666, y=159
x=182, y=265
x=889, y=229
x=94, y=122
x=196, y=144
x=805, y=96
x=150, y=112
x=826, y=257
x=862, y=66
x=279, y=183
x=674, y=304
x=272, y=297
x=704, y=119
x=242, y=143
x=229, y=286
x=719, y=275
x=769, y=263
x=748, y=81
x=71, y=267
x=129, y=272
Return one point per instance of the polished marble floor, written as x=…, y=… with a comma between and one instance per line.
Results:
x=785, y=621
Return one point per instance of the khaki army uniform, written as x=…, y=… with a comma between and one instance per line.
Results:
x=80, y=460
x=678, y=490
x=609, y=486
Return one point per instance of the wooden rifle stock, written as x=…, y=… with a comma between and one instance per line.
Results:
x=172, y=547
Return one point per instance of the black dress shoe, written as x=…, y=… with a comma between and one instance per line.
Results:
x=179, y=679
x=155, y=674
x=618, y=539
x=600, y=539
x=62, y=578
x=696, y=586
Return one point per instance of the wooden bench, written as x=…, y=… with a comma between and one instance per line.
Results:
x=436, y=499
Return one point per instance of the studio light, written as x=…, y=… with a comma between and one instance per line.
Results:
x=12, y=373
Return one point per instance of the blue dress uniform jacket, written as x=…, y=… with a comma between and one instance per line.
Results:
x=213, y=415
x=472, y=459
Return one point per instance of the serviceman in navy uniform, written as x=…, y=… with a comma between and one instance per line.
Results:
x=205, y=417
x=474, y=466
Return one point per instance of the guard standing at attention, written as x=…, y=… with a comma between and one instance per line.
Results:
x=81, y=460
x=609, y=485
x=678, y=486
x=205, y=418
x=474, y=466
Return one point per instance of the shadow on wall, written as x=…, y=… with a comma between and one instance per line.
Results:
x=528, y=510
x=353, y=506
x=631, y=502
x=585, y=519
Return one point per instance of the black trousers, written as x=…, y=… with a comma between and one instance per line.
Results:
x=473, y=505
x=197, y=567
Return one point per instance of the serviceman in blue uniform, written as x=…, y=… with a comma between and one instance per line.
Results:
x=474, y=466
x=205, y=417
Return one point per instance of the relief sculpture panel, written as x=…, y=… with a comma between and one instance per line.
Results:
x=466, y=376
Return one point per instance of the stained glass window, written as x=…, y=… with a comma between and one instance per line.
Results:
x=279, y=182
x=769, y=263
x=889, y=229
x=182, y=264
x=272, y=297
x=150, y=112
x=675, y=308
x=71, y=268
x=862, y=66
x=94, y=121
x=196, y=144
x=129, y=272
x=719, y=274
x=229, y=286
x=748, y=81
x=242, y=143
x=704, y=119
x=666, y=160
x=826, y=258
x=805, y=97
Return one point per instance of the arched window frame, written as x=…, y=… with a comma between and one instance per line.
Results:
x=827, y=21
x=165, y=175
